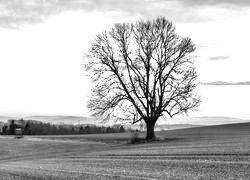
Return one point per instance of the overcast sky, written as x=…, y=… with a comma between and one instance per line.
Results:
x=42, y=43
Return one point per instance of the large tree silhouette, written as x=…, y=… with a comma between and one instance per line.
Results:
x=142, y=71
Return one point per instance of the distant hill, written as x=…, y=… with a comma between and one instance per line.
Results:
x=216, y=120
x=160, y=127
x=62, y=119
x=223, y=83
x=5, y=118
x=175, y=126
x=204, y=120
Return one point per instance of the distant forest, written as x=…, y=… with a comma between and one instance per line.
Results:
x=31, y=127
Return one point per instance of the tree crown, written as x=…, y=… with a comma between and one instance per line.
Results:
x=142, y=71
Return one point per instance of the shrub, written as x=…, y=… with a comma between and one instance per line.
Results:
x=135, y=138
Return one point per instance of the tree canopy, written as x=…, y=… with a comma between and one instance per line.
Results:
x=142, y=71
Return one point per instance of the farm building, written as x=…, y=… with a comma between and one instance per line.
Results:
x=11, y=125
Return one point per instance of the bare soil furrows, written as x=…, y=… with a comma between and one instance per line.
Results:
x=182, y=155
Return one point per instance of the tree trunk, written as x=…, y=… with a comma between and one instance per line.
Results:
x=150, y=131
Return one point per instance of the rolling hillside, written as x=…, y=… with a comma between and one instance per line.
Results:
x=210, y=152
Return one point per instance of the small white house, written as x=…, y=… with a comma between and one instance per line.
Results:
x=18, y=133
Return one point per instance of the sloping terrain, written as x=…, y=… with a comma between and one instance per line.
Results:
x=211, y=152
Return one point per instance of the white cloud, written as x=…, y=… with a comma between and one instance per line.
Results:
x=14, y=13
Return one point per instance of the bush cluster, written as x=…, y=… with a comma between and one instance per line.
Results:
x=31, y=127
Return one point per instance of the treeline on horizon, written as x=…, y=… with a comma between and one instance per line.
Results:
x=31, y=127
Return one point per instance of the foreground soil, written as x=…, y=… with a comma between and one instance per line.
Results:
x=198, y=153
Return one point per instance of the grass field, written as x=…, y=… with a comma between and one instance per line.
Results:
x=213, y=152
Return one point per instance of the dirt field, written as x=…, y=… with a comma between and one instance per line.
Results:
x=220, y=152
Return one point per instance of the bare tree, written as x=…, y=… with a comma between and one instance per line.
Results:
x=142, y=71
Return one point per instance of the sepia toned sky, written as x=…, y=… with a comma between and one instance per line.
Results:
x=42, y=43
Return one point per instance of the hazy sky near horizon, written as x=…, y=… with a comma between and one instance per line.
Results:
x=42, y=43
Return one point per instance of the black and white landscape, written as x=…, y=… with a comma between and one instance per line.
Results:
x=120, y=89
